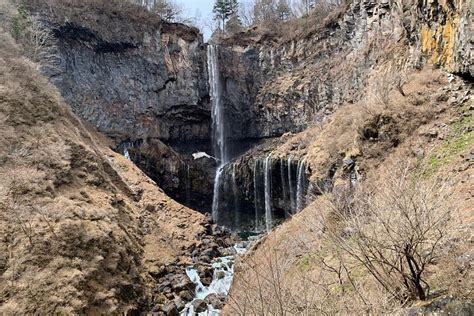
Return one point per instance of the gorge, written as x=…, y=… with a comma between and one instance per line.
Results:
x=140, y=159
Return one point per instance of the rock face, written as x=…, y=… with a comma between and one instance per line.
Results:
x=131, y=77
x=139, y=81
x=186, y=180
x=97, y=229
x=275, y=84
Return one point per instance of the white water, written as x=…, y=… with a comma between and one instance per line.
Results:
x=268, y=193
x=215, y=196
x=283, y=182
x=291, y=189
x=218, y=132
x=125, y=147
x=223, y=265
x=255, y=192
x=300, y=185
x=126, y=154
x=235, y=192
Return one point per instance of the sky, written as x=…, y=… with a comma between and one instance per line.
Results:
x=202, y=10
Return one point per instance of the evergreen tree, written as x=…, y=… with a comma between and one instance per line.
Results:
x=225, y=9
x=233, y=25
x=283, y=10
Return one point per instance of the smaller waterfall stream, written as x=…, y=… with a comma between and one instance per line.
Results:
x=255, y=193
x=216, y=195
x=300, y=185
x=290, y=184
x=268, y=193
x=235, y=192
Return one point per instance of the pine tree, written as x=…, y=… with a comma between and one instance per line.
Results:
x=283, y=10
x=233, y=25
x=224, y=9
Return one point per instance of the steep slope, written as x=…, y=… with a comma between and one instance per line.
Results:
x=140, y=81
x=425, y=136
x=82, y=229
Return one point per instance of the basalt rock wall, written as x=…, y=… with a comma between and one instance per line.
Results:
x=127, y=73
x=275, y=82
x=138, y=80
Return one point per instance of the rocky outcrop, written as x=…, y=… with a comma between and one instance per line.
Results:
x=139, y=81
x=275, y=82
x=445, y=34
x=127, y=73
x=187, y=180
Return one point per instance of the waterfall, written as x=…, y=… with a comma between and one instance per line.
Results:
x=255, y=192
x=300, y=185
x=283, y=182
x=218, y=136
x=218, y=132
x=216, y=191
x=126, y=154
x=268, y=193
x=235, y=192
x=290, y=186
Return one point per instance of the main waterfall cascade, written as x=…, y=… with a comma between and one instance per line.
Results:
x=218, y=132
x=279, y=186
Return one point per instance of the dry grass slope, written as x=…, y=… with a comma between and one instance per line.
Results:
x=80, y=226
x=413, y=158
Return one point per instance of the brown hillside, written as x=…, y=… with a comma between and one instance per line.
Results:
x=81, y=227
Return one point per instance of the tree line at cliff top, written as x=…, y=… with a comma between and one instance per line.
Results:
x=231, y=16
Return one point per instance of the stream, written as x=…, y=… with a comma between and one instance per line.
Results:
x=223, y=274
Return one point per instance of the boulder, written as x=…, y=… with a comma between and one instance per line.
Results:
x=215, y=300
x=170, y=309
x=199, y=306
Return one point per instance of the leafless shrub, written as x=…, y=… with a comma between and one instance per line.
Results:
x=266, y=290
x=384, y=82
x=37, y=41
x=40, y=43
x=394, y=231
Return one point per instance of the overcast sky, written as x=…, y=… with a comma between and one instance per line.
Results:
x=201, y=9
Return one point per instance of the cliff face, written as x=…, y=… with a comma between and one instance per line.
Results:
x=82, y=229
x=275, y=83
x=446, y=35
x=132, y=79
x=139, y=81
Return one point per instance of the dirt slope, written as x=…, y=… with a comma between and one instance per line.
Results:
x=80, y=226
x=297, y=269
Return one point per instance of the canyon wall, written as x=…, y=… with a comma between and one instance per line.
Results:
x=144, y=83
x=141, y=82
x=278, y=81
x=133, y=77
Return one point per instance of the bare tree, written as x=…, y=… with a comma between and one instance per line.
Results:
x=394, y=231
